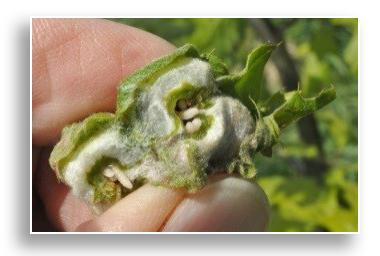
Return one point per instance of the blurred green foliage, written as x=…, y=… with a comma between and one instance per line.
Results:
x=325, y=51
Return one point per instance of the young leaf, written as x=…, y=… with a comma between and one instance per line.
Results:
x=246, y=85
x=281, y=110
x=294, y=106
x=217, y=65
x=274, y=102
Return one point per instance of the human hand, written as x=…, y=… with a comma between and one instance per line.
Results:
x=77, y=65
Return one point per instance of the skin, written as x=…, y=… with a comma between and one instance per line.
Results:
x=77, y=65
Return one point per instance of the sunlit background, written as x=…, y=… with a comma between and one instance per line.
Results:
x=311, y=179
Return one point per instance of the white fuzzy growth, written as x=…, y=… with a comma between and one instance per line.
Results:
x=157, y=172
x=152, y=105
x=232, y=123
x=193, y=71
x=150, y=169
x=215, y=133
x=107, y=144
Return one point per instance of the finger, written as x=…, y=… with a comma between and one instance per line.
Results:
x=63, y=209
x=77, y=65
x=229, y=204
x=146, y=209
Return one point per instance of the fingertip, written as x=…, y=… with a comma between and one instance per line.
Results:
x=230, y=205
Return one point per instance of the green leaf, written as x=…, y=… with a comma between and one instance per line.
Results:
x=326, y=44
x=217, y=65
x=129, y=88
x=302, y=204
x=290, y=107
x=350, y=53
x=274, y=102
x=246, y=85
x=211, y=34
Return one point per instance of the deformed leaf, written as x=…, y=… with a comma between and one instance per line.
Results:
x=292, y=106
x=246, y=85
x=217, y=65
x=74, y=136
x=128, y=88
x=175, y=124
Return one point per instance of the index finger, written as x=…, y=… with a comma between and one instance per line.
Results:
x=77, y=65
